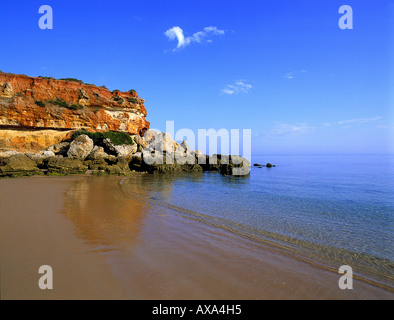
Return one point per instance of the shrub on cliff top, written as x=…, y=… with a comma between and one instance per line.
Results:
x=47, y=78
x=59, y=102
x=72, y=79
x=75, y=107
x=117, y=138
x=40, y=103
x=133, y=100
x=118, y=99
x=64, y=104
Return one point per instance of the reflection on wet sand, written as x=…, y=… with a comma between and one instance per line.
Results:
x=34, y=232
x=102, y=214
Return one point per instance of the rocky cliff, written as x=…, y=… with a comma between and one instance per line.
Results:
x=28, y=104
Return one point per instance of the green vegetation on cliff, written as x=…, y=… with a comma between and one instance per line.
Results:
x=117, y=138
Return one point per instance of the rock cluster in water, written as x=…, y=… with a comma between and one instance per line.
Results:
x=153, y=153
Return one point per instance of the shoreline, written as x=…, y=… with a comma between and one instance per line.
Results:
x=107, y=245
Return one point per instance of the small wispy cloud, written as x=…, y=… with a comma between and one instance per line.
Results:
x=239, y=86
x=292, y=74
x=176, y=33
x=291, y=129
x=359, y=121
x=387, y=126
x=352, y=122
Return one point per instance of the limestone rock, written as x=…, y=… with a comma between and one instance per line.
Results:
x=40, y=158
x=60, y=148
x=66, y=166
x=149, y=135
x=97, y=154
x=136, y=162
x=109, y=147
x=164, y=168
x=185, y=146
x=121, y=150
x=126, y=149
x=6, y=91
x=116, y=169
x=48, y=154
x=123, y=163
x=234, y=165
x=140, y=141
x=19, y=165
x=81, y=147
x=4, y=156
x=162, y=142
x=99, y=164
x=84, y=99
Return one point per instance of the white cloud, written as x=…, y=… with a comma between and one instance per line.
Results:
x=291, y=129
x=290, y=75
x=239, y=86
x=176, y=33
x=359, y=121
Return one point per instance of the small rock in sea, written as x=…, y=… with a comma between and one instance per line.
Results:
x=269, y=165
x=258, y=165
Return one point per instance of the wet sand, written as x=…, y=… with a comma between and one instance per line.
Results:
x=34, y=232
x=105, y=244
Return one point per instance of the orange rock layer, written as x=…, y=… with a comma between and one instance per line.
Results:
x=27, y=102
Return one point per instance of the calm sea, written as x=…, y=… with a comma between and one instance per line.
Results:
x=330, y=209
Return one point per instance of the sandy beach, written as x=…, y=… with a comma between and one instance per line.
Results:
x=104, y=244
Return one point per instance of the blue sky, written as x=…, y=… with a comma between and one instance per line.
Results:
x=281, y=68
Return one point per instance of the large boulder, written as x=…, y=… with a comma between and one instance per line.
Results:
x=149, y=135
x=19, y=165
x=4, y=156
x=121, y=167
x=97, y=153
x=66, y=166
x=97, y=159
x=60, y=148
x=184, y=156
x=185, y=146
x=140, y=141
x=164, y=168
x=226, y=165
x=80, y=148
x=136, y=162
x=100, y=164
x=234, y=165
x=162, y=142
x=123, y=150
x=40, y=158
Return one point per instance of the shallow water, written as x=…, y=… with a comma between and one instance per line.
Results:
x=280, y=233
x=335, y=209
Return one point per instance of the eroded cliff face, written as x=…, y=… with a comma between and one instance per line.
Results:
x=24, y=140
x=41, y=103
